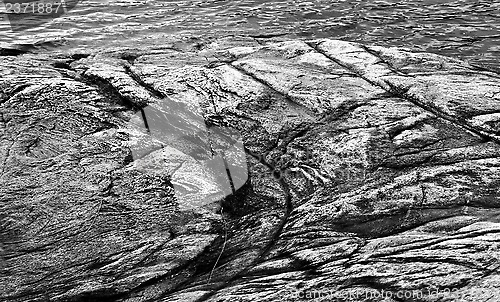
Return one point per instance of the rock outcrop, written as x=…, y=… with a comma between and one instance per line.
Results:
x=368, y=174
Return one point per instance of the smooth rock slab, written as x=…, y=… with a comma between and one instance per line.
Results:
x=368, y=170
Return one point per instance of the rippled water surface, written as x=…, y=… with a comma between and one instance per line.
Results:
x=466, y=29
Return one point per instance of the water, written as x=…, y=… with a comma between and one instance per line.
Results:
x=465, y=29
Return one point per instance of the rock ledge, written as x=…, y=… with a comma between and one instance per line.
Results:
x=356, y=173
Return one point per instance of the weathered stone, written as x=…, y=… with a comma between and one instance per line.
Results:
x=368, y=171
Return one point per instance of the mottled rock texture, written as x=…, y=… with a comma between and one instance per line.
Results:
x=368, y=170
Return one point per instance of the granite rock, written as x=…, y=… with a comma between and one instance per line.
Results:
x=322, y=170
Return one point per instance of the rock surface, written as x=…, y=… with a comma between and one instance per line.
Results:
x=371, y=174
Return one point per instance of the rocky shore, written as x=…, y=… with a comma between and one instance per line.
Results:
x=367, y=174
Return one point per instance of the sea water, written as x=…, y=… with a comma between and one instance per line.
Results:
x=466, y=29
